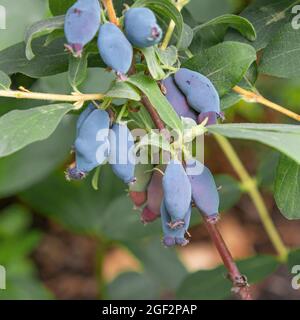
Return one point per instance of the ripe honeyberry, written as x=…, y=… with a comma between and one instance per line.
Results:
x=81, y=24
x=122, y=157
x=92, y=144
x=204, y=189
x=141, y=27
x=115, y=50
x=154, y=198
x=177, y=192
x=174, y=236
x=177, y=99
x=84, y=114
x=200, y=93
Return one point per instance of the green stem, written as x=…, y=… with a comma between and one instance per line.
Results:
x=179, y=5
x=250, y=186
x=121, y=113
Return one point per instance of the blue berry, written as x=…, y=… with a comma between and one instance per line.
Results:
x=177, y=99
x=122, y=157
x=92, y=144
x=200, y=93
x=174, y=236
x=141, y=27
x=177, y=192
x=115, y=50
x=81, y=24
x=84, y=114
x=204, y=189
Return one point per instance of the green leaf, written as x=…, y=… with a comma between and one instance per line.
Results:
x=230, y=191
x=153, y=64
x=155, y=140
x=241, y=24
x=35, y=162
x=224, y=64
x=293, y=258
x=5, y=81
x=23, y=127
x=157, y=261
x=121, y=222
x=213, y=285
x=282, y=137
x=150, y=88
x=186, y=38
x=165, y=8
x=132, y=286
x=281, y=58
x=48, y=60
x=58, y=7
x=266, y=171
x=74, y=205
x=41, y=28
x=248, y=82
x=267, y=16
x=167, y=57
x=287, y=188
x=123, y=90
x=79, y=208
x=14, y=220
x=77, y=70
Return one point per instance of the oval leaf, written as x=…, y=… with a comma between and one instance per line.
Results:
x=22, y=127
x=287, y=188
x=224, y=64
x=282, y=137
x=241, y=24
x=41, y=28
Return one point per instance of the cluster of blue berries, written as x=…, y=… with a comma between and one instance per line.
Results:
x=193, y=95
x=170, y=192
x=166, y=191
x=98, y=142
x=83, y=21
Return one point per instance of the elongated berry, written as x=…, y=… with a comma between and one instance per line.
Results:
x=177, y=99
x=81, y=24
x=204, y=189
x=174, y=236
x=200, y=93
x=92, y=144
x=115, y=50
x=84, y=114
x=122, y=157
x=177, y=192
x=141, y=27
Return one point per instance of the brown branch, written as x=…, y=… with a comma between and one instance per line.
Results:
x=153, y=113
x=240, y=284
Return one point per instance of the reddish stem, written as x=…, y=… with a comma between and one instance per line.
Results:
x=240, y=284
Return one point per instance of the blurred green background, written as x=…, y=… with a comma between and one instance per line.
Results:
x=62, y=240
